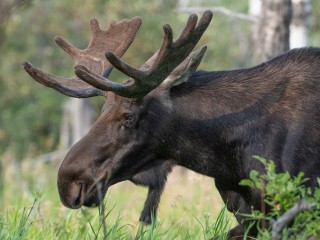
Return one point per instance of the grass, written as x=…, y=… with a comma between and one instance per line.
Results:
x=190, y=208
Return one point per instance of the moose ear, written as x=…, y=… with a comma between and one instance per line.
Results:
x=184, y=70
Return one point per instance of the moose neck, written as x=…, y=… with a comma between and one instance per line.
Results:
x=215, y=114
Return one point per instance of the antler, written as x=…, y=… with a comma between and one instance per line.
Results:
x=157, y=68
x=117, y=38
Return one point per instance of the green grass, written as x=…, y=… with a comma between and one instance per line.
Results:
x=190, y=208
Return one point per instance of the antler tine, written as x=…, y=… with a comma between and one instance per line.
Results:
x=192, y=22
x=62, y=85
x=101, y=82
x=124, y=67
x=94, y=26
x=66, y=46
x=117, y=38
x=169, y=56
x=184, y=70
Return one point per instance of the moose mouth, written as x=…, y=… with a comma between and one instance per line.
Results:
x=94, y=196
x=83, y=194
x=89, y=193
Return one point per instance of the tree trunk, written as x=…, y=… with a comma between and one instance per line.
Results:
x=271, y=32
x=254, y=8
x=76, y=122
x=300, y=23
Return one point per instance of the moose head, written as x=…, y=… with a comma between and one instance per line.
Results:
x=125, y=143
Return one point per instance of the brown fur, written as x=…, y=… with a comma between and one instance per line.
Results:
x=213, y=124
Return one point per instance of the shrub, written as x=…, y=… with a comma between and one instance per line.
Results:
x=294, y=208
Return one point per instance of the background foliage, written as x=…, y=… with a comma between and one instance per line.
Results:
x=31, y=113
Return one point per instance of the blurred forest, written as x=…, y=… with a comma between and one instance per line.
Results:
x=31, y=114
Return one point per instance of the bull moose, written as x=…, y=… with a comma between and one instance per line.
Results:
x=168, y=114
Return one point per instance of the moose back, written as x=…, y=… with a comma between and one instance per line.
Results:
x=167, y=114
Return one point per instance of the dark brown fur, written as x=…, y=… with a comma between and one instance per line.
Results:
x=213, y=124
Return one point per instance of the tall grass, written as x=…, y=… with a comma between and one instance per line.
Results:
x=190, y=208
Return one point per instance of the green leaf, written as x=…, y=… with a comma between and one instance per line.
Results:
x=260, y=159
x=246, y=182
x=254, y=175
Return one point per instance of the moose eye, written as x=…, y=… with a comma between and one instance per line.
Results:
x=129, y=120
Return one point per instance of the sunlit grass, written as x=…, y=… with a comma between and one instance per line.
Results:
x=190, y=208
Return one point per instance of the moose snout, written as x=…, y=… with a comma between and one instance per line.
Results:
x=78, y=178
x=72, y=195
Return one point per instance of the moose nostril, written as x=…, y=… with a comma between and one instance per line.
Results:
x=78, y=201
x=72, y=195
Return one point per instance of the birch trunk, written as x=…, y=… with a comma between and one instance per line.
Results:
x=271, y=32
x=300, y=24
x=76, y=122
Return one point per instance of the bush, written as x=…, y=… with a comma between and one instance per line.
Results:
x=294, y=208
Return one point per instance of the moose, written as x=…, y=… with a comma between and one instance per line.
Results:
x=169, y=113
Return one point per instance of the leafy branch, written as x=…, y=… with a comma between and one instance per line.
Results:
x=289, y=201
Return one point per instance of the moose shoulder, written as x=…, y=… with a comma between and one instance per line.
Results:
x=169, y=114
